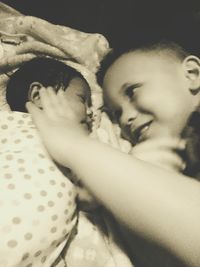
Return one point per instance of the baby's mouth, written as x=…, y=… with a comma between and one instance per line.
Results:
x=86, y=124
x=140, y=133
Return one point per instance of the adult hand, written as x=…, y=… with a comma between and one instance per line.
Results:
x=163, y=152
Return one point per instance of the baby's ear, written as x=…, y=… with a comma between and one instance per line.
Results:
x=33, y=94
x=191, y=66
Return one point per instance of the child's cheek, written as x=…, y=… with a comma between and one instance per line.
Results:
x=145, y=102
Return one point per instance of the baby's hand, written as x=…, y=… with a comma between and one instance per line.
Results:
x=163, y=152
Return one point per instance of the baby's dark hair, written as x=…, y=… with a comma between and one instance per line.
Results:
x=47, y=71
x=172, y=49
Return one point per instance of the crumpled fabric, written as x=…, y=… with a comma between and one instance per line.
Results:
x=96, y=243
x=35, y=35
x=25, y=37
x=110, y=134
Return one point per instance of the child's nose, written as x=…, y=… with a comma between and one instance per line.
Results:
x=129, y=114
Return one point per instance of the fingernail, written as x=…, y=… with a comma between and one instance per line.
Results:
x=28, y=104
x=182, y=144
x=42, y=90
x=183, y=166
x=60, y=92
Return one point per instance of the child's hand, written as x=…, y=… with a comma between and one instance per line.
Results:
x=56, y=105
x=163, y=152
x=57, y=124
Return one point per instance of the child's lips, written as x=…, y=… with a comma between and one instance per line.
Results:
x=140, y=133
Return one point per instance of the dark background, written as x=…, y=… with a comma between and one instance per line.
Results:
x=122, y=20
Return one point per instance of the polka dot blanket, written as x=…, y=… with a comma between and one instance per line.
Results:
x=37, y=202
x=40, y=224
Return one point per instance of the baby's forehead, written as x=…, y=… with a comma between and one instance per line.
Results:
x=78, y=87
x=80, y=83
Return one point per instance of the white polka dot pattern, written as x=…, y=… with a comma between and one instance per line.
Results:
x=37, y=202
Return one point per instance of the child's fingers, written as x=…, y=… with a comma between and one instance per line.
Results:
x=47, y=102
x=166, y=159
x=64, y=102
x=36, y=113
x=59, y=103
x=55, y=102
x=61, y=94
x=56, y=106
x=32, y=108
x=52, y=96
x=167, y=142
x=161, y=151
x=160, y=143
x=44, y=98
x=64, y=106
x=171, y=161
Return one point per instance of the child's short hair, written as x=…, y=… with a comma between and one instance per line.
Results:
x=169, y=47
x=47, y=71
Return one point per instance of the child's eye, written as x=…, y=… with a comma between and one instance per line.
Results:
x=131, y=90
x=116, y=115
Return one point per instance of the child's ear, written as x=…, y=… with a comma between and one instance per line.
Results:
x=33, y=94
x=191, y=66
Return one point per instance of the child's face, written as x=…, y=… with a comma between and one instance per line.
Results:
x=149, y=95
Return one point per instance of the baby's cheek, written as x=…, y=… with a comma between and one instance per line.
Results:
x=80, y=112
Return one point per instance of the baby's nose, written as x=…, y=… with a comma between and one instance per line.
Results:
x=89, y=112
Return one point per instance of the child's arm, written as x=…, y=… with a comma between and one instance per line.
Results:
x=161, y=205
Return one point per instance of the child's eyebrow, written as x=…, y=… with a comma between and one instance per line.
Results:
x=128, y=85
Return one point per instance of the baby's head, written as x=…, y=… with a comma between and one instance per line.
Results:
x=24, y=85
x=152, y=91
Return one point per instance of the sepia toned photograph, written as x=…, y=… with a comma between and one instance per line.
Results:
x=99, y=133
